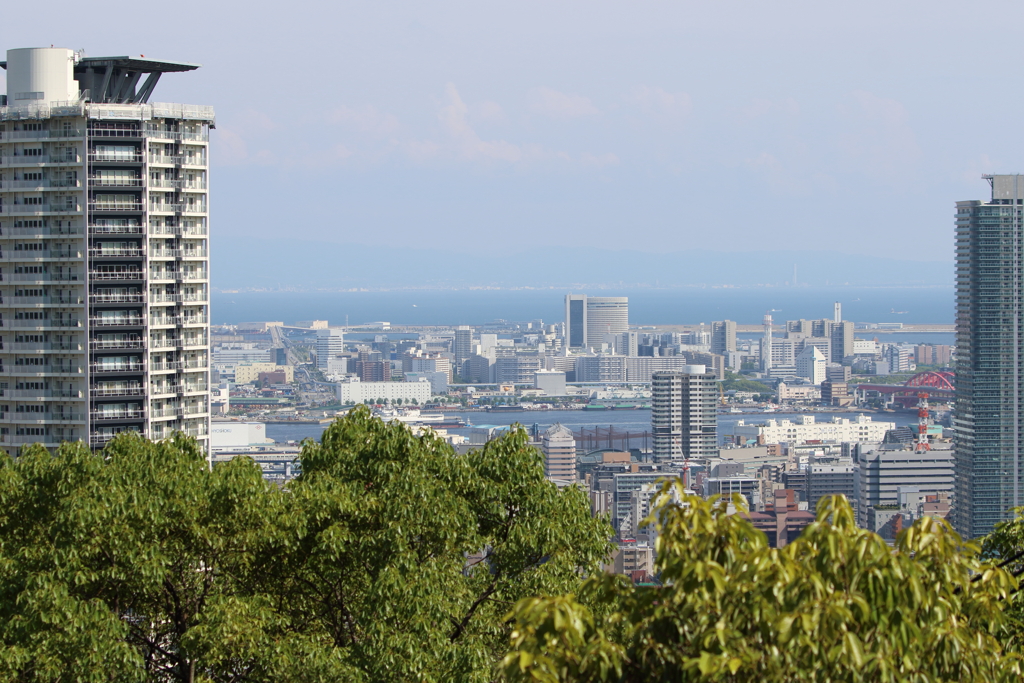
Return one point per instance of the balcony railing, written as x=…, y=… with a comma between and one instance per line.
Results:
x=177, y=298
x=115, y=133
x=137, y=298
x=115, y=229
x=114, y=157
x=42, y=393
x=42, y=346
x=120, y=321
x=125, y=366
x=46, y=230
x=114, y=344
x=177, y=230
x=164, y=134
x=124, y=390
x=34, y=370
x=41, y=324
x=45, y=183
x=28, y=255
x=116, y=275
x=177, y=253
x=32, y=160
x=107, y=181
x=110, y=207
x=117, y=253
x=101, y=415
x=33, y=209
x=174, y=321
x=41, y=277
x=56, y=300
x=41, y=134
x=40, y=418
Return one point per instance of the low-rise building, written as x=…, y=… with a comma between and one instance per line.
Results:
x=861, y=429
x=354, y=391
x=250, y=372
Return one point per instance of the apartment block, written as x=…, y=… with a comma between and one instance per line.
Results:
x=104, y=220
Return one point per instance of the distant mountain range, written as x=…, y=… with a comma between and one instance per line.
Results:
x=307, y=265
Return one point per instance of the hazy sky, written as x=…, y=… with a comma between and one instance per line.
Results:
x=494, y=128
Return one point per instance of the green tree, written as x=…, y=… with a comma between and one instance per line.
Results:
x=390, y=558
x=1005, y=546
x=385, y=522
x=836, y=604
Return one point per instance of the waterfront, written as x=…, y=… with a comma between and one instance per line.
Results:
x=621, y=421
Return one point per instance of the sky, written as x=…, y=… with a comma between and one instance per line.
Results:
x=490, y=129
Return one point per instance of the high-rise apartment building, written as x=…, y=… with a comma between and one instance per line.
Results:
x=684, y=413
x=590, y=319
x=989, y=367
x=103, y=252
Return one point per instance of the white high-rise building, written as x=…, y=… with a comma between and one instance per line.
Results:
x=330, y=344
x=810, y=364
x=684, y=413
x=104, y=240
x=589, y=320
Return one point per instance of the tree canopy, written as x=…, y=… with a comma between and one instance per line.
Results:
x=389, y=558
x=837, y=604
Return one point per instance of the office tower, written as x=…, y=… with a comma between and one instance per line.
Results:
x=462, y=346
x=576, y=320
x=766, y=345
x=989, y=378
x=105, y=270
x=590, y=319
x=842, y=340
x=559, y=446
x=606, y=315
x=330, y=344
x=684, y=413
x=723, y=337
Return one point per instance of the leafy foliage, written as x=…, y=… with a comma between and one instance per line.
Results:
x=837, y=604
x=391, y=558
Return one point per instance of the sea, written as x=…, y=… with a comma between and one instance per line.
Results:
x=679, y=306
x=621, y=422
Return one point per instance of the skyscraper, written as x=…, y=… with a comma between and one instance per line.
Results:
x=684, y=413
x=723, y=337
x=989, y=379
x=588, y=319
x=104, y=266
x=576, y=320
x=559, y=447
x=462, y=347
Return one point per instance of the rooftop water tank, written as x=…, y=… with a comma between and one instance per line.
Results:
x=40, y=75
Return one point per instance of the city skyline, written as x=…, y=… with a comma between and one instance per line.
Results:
x=549, y=124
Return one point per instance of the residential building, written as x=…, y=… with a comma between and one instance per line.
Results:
x=684, y=413
x=807, y=428
x=103, y=231
x=517, y=369
x=559, y=447
x=601, y=369
x=989, y=367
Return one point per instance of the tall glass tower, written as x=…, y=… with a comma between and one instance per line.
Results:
x=989, y=380
x=104, y=269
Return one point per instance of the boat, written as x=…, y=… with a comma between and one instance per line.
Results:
x=410, y=416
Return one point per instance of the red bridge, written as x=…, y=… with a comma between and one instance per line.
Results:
x=935, y=384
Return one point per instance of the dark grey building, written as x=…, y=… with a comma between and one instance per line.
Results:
x=987, y=418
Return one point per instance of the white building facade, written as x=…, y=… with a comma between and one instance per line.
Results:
x=104, y=240
x=354, y=391
x=838, y=430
